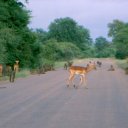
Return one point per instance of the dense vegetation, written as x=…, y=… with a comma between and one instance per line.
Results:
x=118, y=30
x=64, y=40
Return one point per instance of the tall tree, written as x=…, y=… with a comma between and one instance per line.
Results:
x=118, y=30
x=15, y=37
x=67, y=30
x=104, y=48
x=115, y=27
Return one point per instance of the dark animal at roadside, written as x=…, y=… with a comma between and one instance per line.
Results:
x=68, y=64
x=111, y=68
x=99, y=63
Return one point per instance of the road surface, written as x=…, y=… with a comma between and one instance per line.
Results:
x=44, y=101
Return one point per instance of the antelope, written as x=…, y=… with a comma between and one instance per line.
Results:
x=16, y=66
x=9, y=70
x=82, y=71
x=1, y=69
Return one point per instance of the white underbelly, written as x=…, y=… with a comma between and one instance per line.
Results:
x=77, y=73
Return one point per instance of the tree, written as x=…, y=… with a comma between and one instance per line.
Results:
x=115, y=27
x=54, y=51
x=41, y=35
x=13, y=15
x=118, y=30
x=103, y=47
x=121, y=42
x=67, y=30
x=15, y=38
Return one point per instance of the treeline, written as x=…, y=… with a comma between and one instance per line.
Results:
x=64, y=40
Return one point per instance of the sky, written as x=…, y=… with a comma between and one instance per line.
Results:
x=92, y=14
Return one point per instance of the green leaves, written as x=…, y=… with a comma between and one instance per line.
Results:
x=16, y=39
x=118, y=30
x=67, y=30
x=104, y=48
x=54, y=50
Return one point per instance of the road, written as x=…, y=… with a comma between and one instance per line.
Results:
x=44, y=101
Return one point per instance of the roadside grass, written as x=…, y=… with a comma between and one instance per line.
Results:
x=60, y=64
x=23, y=73
x=123, y=64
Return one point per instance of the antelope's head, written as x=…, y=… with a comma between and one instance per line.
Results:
x=91, y=66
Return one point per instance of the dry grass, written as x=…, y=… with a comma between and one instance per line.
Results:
x=123, y=64
x=23, y=73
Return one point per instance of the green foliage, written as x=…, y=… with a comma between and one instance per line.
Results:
x=63, y=29
x=16, y=40
x=13, y=15
x=119, y=32
x=41, y=35
x=9, y=43
x=103, y=48
x=114, y=28
x=54, y=50
x=67, y=30
x=121, y=42
x=67, y=51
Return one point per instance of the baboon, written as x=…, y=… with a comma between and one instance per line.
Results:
x=12, y=73
x=1, y=69
x=99, y=63
x=111, y=68
x=68, y=64
x=65, y=66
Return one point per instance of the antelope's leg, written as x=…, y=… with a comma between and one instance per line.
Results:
x=85, y=81
x=70, y=80
x=81, y=81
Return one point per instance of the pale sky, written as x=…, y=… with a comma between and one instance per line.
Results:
x=92, y=14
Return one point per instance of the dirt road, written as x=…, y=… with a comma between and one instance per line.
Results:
x=44, y=101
